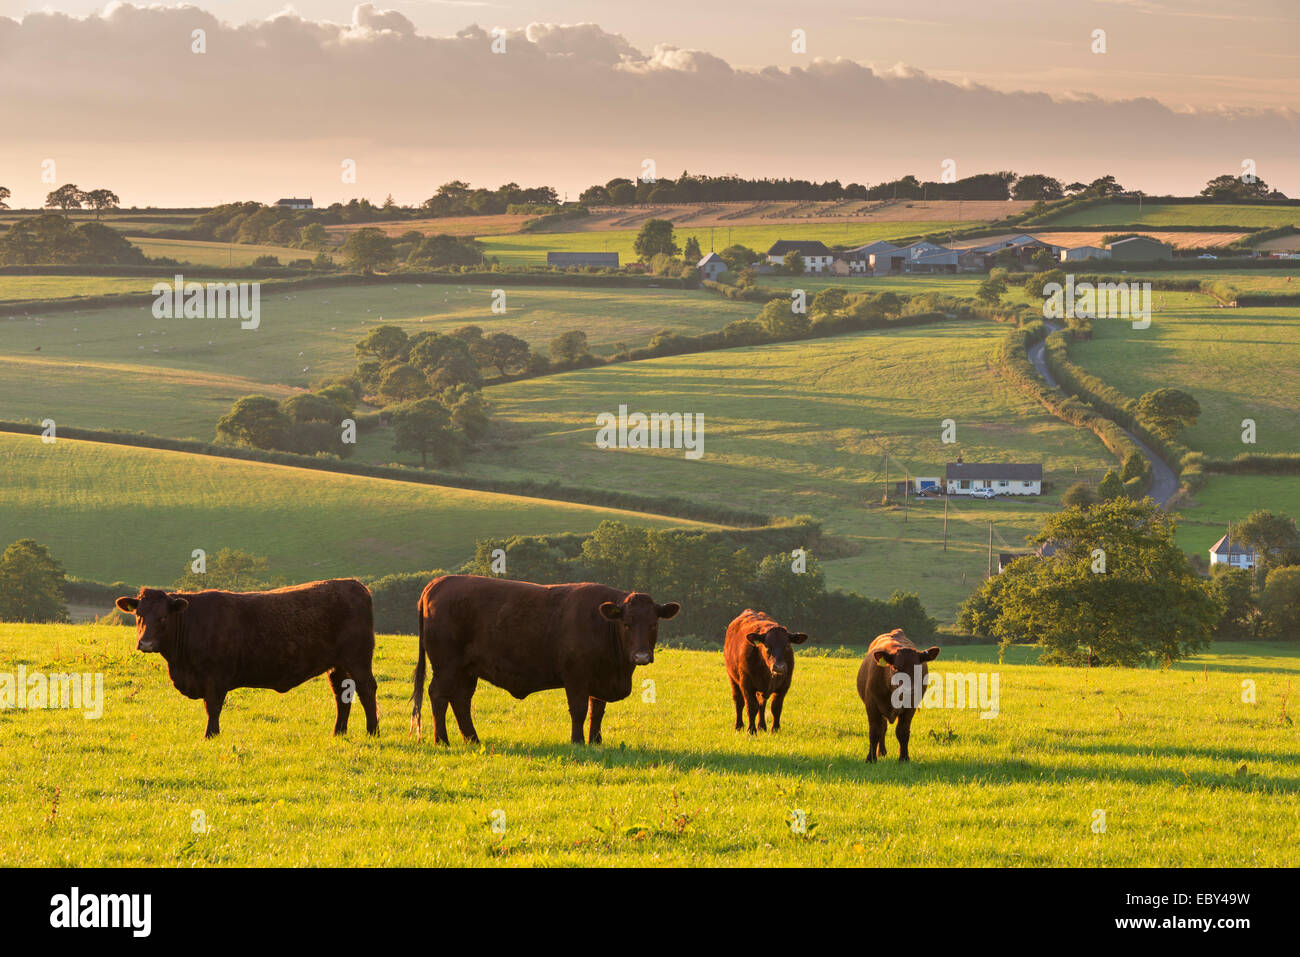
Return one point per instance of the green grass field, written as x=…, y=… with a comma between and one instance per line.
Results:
x=531, y=248
x=67, y=287
x=201, y=253
x=120, y=368
x=1184, y=771
x=1179, y=214
x=1238, y=363
x=110, y=513
x=1230, y=498
x=803, y=428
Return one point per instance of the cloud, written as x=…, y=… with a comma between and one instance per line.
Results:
x=277, y=104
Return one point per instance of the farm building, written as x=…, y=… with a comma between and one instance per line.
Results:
x=1006, y=558
x=599, y=260
x=1227, y=552
x=857, y=261
x=1140, y=249
x=711, y=266
x=817, y=257
x=1081, y=253
x=922, y=257
x=969, y=478
x=294, y=203
x=927, y=484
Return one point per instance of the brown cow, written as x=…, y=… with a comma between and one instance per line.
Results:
x=584, y=638
x=216, y=641
x=760, y=664
x=891, y=682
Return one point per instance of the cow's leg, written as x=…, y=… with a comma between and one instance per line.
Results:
x=366, y=689
x=904, y=733
x=876, y=734
x=438, y=704
x=762, y=712
x=213, y=701
x=751, y=707
x=341, y=706
x=460, y=706
x=578, y=703
x=738, y=698
x=778, y=699
x=597, y=714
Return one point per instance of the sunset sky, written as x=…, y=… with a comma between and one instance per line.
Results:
x=411, y=90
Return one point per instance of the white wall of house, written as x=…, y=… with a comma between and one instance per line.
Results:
x=1001, y=486
x=1233, y=561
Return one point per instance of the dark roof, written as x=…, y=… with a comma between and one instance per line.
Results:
x=879, y=246
x=286, y=202
x=1134, y=239
x=808, y=247
x=1222, y=547
x=582, y=259
x=982, y=470
x=711, y=258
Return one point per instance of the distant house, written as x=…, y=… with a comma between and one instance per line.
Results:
x=1230, y=553
x=968, y=478
x=1080, y=253
x=817, y=257
x=294, y=203
x=921, y=257
x=1140, y=249
x=712, y=266
x=599, y=260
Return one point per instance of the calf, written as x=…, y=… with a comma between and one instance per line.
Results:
x=760, y=664
x=216, y=641
x=891, y=682
x=585, y=638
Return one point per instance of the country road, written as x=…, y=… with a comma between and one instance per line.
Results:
x=1164, y=483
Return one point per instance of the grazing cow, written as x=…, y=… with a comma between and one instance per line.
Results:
x=891, y=658
x=216, y=641
x=760, y=664
x=584, y=638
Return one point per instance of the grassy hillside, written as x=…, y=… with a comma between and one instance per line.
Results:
x=1230, y=498
x=118, y=514
x=120, y=368
x=201, y=253
x=1161, y=753
x=1182, y=214
x=1238, y=363
x=803, y=428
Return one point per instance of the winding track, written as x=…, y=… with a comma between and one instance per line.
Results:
x=1164, y=483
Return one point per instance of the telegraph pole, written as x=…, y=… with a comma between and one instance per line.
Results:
x=945, y=520
x=990, y=574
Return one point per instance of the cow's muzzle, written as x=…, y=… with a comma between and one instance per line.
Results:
x=147, y=645
x=642, y=658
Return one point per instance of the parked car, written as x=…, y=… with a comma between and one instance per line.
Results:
x=985, y=493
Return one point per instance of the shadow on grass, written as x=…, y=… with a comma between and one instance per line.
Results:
x=927, y=766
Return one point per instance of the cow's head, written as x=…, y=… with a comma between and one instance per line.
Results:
x=911, y=662
x=773, y=644
x=638, y=616
x=153, y=609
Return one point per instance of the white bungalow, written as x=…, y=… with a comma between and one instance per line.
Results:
x=972, y=478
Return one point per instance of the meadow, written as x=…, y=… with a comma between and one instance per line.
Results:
x=1204, y=516
x=121, y=368
x=199, y=252
x=1161, y=753
x=13, y=287
x=110, y=513
x=803, y=428
x=1181, y=214
x=1238, y=363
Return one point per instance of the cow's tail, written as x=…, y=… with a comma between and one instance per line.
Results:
x=417, y=698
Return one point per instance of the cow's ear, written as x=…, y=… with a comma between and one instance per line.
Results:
x=175, y=603
x=128, y=605
x=930, y=653
x=667, y=609
x=799, y=638
x=611, y=611
x=754, y=638
x=884, y=658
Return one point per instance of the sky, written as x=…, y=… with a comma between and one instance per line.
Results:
x=411, y=92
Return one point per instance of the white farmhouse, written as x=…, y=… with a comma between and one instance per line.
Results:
x=969, y=478
x=817, y=257
x=1227, y=552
